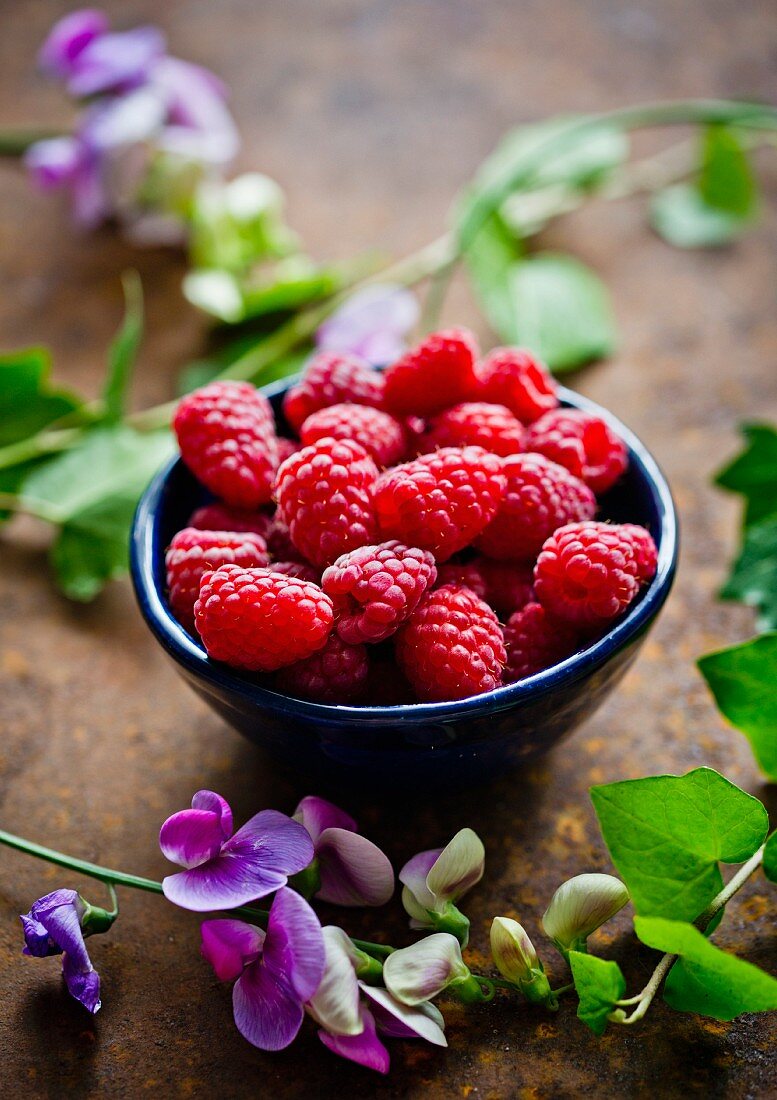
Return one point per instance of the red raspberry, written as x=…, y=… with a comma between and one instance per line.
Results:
x=463, y=575
x=587, y=573
x=299, y=569
x=220, y=517
x=476, y=424
x=329, y=379
x=376, y=588
x=279, y=541
x=452, y=647
x=539, y=497
x=286, y=448
x=534, y=641
x=259, y=620
x=440, y=501
x=226, y=433
x=437, y=373
x=324, y=495
x=644, y=548
x=193, y=552
x=509, y=586
x=336, y=674
x=381, y=435
x=513, y=377
x=585, y=444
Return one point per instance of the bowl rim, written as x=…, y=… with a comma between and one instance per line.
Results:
x=190, y=654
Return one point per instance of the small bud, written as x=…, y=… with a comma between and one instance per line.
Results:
x=512, y=950
x=579, y=907
x=423, y=970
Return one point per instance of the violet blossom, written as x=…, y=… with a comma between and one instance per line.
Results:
x=434, y=880
x=225, y=870
x=351, y=869
x=54, y=926
x=373, y=323
x=276, y=971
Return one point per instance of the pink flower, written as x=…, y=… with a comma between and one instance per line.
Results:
x=352, y=870
x=373, y=324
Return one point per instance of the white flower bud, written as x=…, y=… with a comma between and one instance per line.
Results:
x=433, y=880
x=421, y=971
x=580, y=906
x=512, y=950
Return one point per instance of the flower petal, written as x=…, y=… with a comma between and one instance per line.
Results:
x=274, y=841
x=225, y=882
x=37, y=941
x=68, y=37
x=581, y=905
x=316, y=814
x=199, y=127
x=209, y=800
x=59, y=913
x=229, y=946
x=459, y=866
x=115, y=61
x=421, y=971
x=335, y=1004
x=372, y=323
x=353, y=870
x=53, y=163
x=82, y=984
x=417, y=897
x=294, y=946
x=267, y=1014
x=191, y=837
x=365, y=1048
x=400, y=1021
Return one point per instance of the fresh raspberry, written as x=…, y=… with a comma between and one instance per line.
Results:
x=539, y=497
x=587, y=573
x=509, y=585
x=534, y=641
x=335, y=674
x=452, y=647
x=220, y=517
x=299, y=569
x=513, y=377
x=329, y=379
x=380, y=434
x=226, y=433
x=286, y=448
x=194, y=552
x=437, y=373
x=476, y=424
x=377, y=588
x=584, y=443
x=324, y=495
x=279, y=541
x=440, y=501
x=259, y=620
x=644, y=549
x=463, y=575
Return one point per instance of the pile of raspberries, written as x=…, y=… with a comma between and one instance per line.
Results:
x=429, y=535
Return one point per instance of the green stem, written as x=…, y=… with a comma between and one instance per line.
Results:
x=83, y=867
x=16, y=143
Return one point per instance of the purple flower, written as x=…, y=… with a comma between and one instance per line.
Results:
x=277, y=971
x=373, y=323
x=53, y=927
x=222, y=870
x=68, y=38
x=353, y=870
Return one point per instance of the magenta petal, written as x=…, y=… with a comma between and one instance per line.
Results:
x=68, y=37
x=84, y=985
x=274, y=841
x=116, y=61
x=413, y=875
x=53, y=163
x=191, y=837
x=353, y=870
x=223, y=883
x=209, y=800
x=316, y=814
x=230, y=945
x=365, y=1049
x=294, y=947
x=266, y=1013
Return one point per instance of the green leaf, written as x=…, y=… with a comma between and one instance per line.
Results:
x=91, y=492
x=561, y=311
x=770, y=858
x=599, y=984
x=667, y=833
x=705, y=979
x=753, y=473
x=753, y=578
x=742, y=680
x=490, y=261
x=284, y=286
x=124, y=349
x=727, y=182
x=234, y=225
x=28, y=402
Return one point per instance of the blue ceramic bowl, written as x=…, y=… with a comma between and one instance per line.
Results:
x=422, y=744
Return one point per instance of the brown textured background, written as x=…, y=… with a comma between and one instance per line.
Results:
x=372, y=115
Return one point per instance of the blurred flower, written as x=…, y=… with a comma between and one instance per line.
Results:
x=579, y=907
x=222, y=870
x=352, y=870
x=422, y=971
x=435, y=879
x=68, y=38
x=276, y=972
x=516, y=959
x=373, y=323
x=53, y=926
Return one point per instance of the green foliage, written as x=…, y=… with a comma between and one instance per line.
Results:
x=770, y=858
x=124, y=349
x=28, y=401
x=599, y=984
x=666, y=835
x=491, y=261
x=753, y=473
x=753, y=577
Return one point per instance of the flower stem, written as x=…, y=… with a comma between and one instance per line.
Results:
x=14, y=143
x=83, y=867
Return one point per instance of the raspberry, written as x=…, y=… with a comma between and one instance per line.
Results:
x=299, y=569
x=324, y=495
x=286, y=448
x=437, y=373
x=585, y=444
x=463, y=575
x=279, y=541
x=587, y=573
x=539, y=497
x=194, y=552
x=476, y=424
x=226, y=433
x=513, y=377
x=376, y=588
x=381, y=435
x=440, y=501
x=509, y=586
x=644, y=548
x=335, y=674
x=329, y=379
x=534, y=641
x=259, y=620
x=220, y=517
x=452, y=647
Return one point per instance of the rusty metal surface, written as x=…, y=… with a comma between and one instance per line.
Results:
x=371, y=114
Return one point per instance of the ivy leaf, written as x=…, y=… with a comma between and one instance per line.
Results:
x=490, y=261
x=91, y=492
x=667, y=833
x=770, y=858
x=753, y=473
x=124, y=348
x=705, y=979
x=599, y=984
x=28, y=401
x=753, y=578
x=742, y=680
